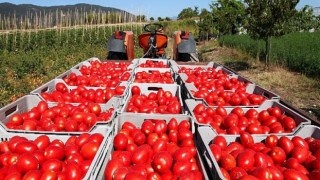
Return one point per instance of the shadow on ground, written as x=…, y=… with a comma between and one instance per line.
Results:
x=238, y=65
x=314, y=111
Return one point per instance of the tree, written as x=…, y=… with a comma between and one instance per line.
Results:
x=266, y=18
x=160, y=19
x=188, y=13
x=228, y=15
x=151, y=18
x=168, y=19
x=205, y=24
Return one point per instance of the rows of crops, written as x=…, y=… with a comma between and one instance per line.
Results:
x=30, y=58
x=297, y=51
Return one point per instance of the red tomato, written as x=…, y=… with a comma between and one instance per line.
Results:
x=278, y=155
x=291, y=174
x=25, y=147
x=140, y=155
x=272, y=141
x=147, y=127
x=135, y=90
x=111, y=167
x=89, y=150
x=120, y=142
x=286, y=144
x=181, y=167
x=199, y=108
x=27, y=162
x=246, y=139
x=245, y=159
x=300, y=153
x=52, y=165
x=42, y=142
x=33, y=175
x=228, y=162
x=162, y=162
x=54, y=152
x=74, y=171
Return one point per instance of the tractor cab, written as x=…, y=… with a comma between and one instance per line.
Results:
x=153, y=42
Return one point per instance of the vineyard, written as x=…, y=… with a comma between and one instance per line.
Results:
x=297, y=51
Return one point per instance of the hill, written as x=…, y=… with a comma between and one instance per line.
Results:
x=8, y=9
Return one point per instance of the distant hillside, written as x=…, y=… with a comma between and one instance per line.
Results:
x=9, y=9
x=28, y=16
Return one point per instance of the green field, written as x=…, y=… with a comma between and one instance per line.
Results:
x=297, y=51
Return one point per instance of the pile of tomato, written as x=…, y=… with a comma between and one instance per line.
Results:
x=154, y=76
x=274, y=158
x=153, y=64
x=162, y=102
x=157, y=150
x=61, y=117
x=45, y=158
x=271, y=120
x=81, y=94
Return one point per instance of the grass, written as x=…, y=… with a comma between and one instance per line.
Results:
x=301, y=91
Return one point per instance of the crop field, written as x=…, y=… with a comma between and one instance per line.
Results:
x=297, y=51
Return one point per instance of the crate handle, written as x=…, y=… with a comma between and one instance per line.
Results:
x=45, y=89
x=154, y=88
x=267, y=95
x=11, y=110
x=208, y=159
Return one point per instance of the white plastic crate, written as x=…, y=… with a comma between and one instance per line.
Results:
x=137, y=120
x=26, y=103
x=206, y=134
x=150, y=70
x=144, y=60
x=298, y=118
x=147, y=88
x=96, y=165
x=251, y=89
x=86, y=62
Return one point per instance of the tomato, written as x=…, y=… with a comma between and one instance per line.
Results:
x=291, y=174
x=25, y=147
x=184, y=134
x=181, y=167
x=96, y=137
x=237, y=172
x=246, y=139
x=139, y=138
x=135, y=90
x=262, y=173
x=278, y=155
x=184, y=124
x=147, y=127
x=199, y=108
x=260, y=160
x=245, y=159
x=140, y=155
x=42, y=142
x=300, y=153
x=183, y=154
x=32, y=175
x=89, y=150
x=299, y=142
x=14, y=141
x=16, y=119
x=160, y=127
x=120, y=142
x=228, y=162
x=73, y=171
x=159, y=145
x=272, y=141
x=111, y=167
x=216, y=151
x=286, y=144
x=225, y=173
x=134, y=175
x=54, y=152
x=162, y=162
x=27, y=162
x=220, y=141
x=52, y=165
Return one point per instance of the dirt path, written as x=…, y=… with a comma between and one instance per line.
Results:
x=301, y=91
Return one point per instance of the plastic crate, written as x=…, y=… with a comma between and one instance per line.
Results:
x=206, y=134
x=147, y=88
x=144, y=60
x=137, y=120
x=67, y=73
x=96, y=165
x=150, y=70
x=251, y=89
x=86, y=62
x=299, y=119
x=26, y=103
x=51, y=86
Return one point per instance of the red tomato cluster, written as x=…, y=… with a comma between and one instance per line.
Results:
x=153, y=64
x=81, y=94
x=63, y=117
x=271, y=120
x=112, y=79
x=157, y=150
x=274, y=158
x=104, y=68
x=211, y=79
x=44, y=159
x=154, y=77
x=162, y=102
x=229, y=98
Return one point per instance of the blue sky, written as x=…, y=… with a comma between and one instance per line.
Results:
x=151, y=8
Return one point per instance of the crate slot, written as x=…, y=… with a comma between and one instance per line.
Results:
x=11, y=110
x=154, y=88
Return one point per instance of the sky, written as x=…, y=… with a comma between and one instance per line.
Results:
x=150, y=8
